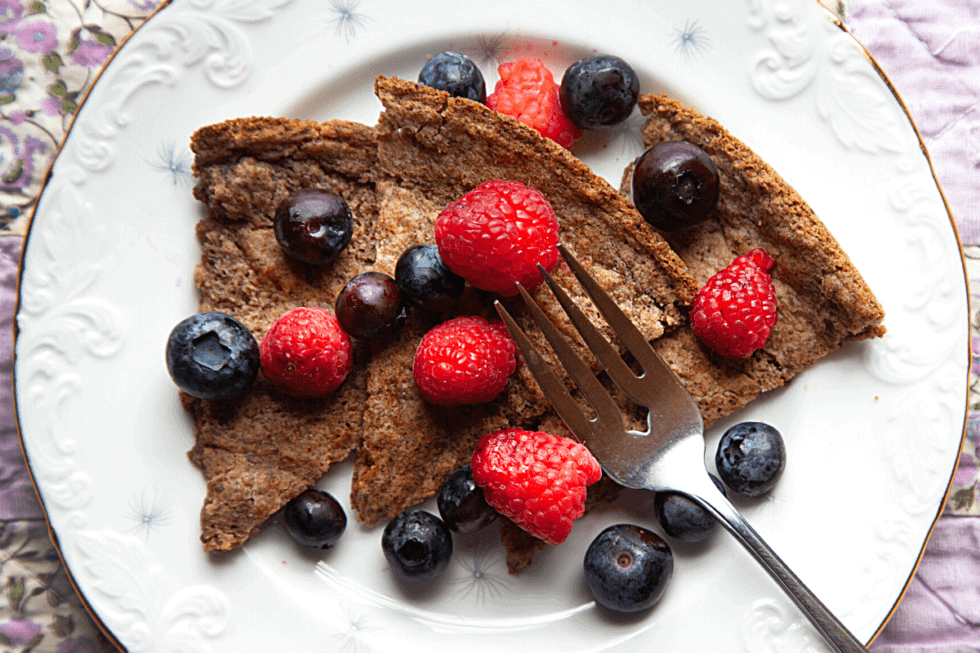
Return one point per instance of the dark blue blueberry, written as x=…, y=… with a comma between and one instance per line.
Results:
x=212, y=356
x=462, y=504
x=456, y=74
x=425, y=281
x=599, y=91
x=675, y=185
x=684, y=519
x=315, y=518
x=627, y=568
x=750, y=459
x=369, y=306
x=313, y=226
x=418, y=546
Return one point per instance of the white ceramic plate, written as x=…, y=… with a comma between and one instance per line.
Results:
x=873, y=431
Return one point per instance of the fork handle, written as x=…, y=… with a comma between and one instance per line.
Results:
x=823, y=619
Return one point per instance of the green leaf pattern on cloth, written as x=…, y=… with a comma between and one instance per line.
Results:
x=50, y=53
x=39, y=609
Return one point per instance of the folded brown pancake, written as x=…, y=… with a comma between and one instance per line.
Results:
x=432, y=149
x=259, y=450
x=262, y=449
x=822, y=299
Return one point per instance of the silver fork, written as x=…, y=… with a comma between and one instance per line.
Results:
x=670, y=455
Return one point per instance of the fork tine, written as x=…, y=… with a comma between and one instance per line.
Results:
x=608, y=415
x=607, y=355
x=660, y=386
x=553, y=388
x=626, y=331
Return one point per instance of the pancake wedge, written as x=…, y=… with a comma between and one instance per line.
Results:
x=823, y=301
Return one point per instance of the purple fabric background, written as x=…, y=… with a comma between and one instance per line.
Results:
x=941, y=610
x=931, y=52
x=17, y=497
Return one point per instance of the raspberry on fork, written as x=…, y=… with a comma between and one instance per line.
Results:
x=735, y=310
x=527, y=91
x=495, y=235
x=465, y=360
x=536, y=479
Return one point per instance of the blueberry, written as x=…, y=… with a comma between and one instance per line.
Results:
x=456, y=74
x=684, y=519
x=425, y=281
x=627, y=568
x=212, y=356
x=675, y=185
x=462, y=504
x=750, y=459
x=418, y=546
x=313, y=226
x=369, y=306
x=599, y=91
x=315, y=519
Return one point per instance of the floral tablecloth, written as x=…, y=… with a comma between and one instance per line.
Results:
x=51, y=52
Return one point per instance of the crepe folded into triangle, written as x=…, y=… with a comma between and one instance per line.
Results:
x=260, y=450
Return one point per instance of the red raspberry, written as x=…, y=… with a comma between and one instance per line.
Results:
x=306, y=353
x=495, y=235
x=735, y=310
x=527, y=91
x=536, y=479
x=465, y=360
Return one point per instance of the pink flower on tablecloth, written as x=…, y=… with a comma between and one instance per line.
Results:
x=145, y=6
x=17, y=117
x=975, y=350
x=966, y=471
x=10, y=15
x=91, y=53
x=37, y=36
x=51, y=106
x=20, y=631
